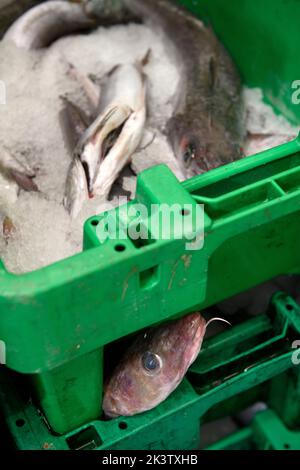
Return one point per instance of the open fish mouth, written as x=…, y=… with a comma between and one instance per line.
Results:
x=106, y=146
x=99, y=139
x=103, y=150
x=118, y=147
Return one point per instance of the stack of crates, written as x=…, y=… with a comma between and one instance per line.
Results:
x=56, y=323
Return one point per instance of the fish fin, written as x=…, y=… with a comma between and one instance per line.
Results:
x=95, y=79
x=91, y=88
x=112, y=70
x=146, y=59
x=24, y=181
x=260, y=135
x=73, y=123
x=140, y=64
x=85, y=118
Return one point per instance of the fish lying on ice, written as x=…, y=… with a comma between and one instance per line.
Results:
x=10, y=10
x=206, y=129
x=44, y=23
x=73, y=122
x=154, y=366
x=92, y=91
x=19, y=173
x=76, y=192
x=52, y=19
x=108, y=144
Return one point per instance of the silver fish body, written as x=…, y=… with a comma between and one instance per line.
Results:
x=207, y=128
x=108, y=144
x=76, y=192
x=10, y=10
x=44, y=23
x=49, y=20
x=124, y=84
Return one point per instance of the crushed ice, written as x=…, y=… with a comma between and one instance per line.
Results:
x=29, y=127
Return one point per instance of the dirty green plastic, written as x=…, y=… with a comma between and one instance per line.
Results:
x=56, y=321
x=267, y=432
x=229, y=364
x=70, y=310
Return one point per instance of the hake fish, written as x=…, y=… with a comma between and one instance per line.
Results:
x=52, y=19
x=10, y=10
x=44, y=23
x=154, y=366
x=20, y=173
x=108, y=144
x=206, y=129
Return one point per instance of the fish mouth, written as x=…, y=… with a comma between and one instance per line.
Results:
x=99, y=139
x=112, y=406
x=194, y=326
x=125, y=140
x=193, y=323
x=108, y=406
x=109, y=142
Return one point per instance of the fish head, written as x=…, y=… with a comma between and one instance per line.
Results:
x=154, y=366
x=201, y=145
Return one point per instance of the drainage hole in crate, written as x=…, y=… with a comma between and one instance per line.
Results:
x=88, y=439
x=119, y=248
x=149, y=278
x=20, y=423
x=123, y=425
x=185, y=212
x=289, y=307
x=286, y=446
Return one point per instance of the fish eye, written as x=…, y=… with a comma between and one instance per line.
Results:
x=151, y=362
x=189, y=154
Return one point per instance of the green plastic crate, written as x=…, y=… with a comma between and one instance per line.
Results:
x=234, y=369
x=55, y=322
